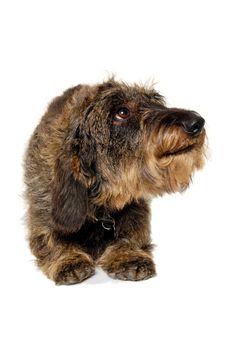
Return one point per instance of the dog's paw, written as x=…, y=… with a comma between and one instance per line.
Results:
x=74, y=272
x=131, y=266
x=133, y=270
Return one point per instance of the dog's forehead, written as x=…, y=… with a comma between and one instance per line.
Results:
x=114, y=91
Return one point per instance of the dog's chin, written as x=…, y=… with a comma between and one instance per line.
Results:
x=180, y=151
x=190, y=147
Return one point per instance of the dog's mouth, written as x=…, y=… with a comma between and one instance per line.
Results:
x=179, y=151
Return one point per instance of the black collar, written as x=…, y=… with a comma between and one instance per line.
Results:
x=107, y=221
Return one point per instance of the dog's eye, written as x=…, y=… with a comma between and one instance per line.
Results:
x=122, y=113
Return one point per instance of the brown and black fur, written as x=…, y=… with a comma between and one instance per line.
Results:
x=98, y=156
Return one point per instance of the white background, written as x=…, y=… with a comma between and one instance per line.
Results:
x=186, y=47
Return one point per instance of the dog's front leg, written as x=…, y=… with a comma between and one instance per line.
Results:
x=61, y=261
x=129, y=257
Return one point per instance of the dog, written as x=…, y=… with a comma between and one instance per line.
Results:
x=97, y=157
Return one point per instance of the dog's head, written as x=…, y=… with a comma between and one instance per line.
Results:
x=123, y=143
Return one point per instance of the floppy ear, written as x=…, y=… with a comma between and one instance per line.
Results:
x=69, y=198
x=75, y=170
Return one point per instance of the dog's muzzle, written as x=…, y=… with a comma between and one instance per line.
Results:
x=191, y=122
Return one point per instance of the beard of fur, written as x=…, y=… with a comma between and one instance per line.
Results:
x=172, y=172
x=152, y=174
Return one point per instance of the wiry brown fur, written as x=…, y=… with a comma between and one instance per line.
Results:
x=90, y=175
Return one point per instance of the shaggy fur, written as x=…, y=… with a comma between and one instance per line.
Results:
x=97, y=157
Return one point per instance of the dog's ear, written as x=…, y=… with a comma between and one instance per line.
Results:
x=75, y=175
x=69, y=198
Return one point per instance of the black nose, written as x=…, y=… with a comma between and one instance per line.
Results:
x=193, y=124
